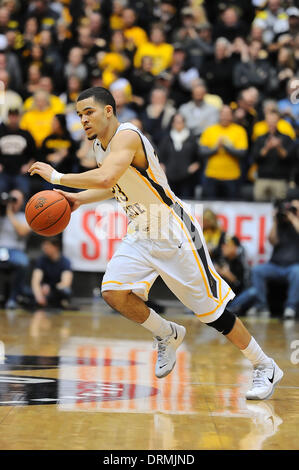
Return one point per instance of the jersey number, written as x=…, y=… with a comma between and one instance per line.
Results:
x=119, y=194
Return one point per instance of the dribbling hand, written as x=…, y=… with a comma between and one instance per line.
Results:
x=72, y=199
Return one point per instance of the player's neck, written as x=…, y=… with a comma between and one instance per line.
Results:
x=111, y=130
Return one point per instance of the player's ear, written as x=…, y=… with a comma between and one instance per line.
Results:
x=108, y=110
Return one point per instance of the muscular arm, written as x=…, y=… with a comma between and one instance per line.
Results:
x=93, y=195
x=123, y=149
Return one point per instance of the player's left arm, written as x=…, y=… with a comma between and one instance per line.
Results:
x=123, y=149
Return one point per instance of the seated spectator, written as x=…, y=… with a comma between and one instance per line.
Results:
x=75, y=64
x=283, y=265
x=73, y=90
x=245, y=109
x=230, y=26
x=90, y=47
x=261, y=127
x=116, y=19
x=85, y=156
x=12, y=99
x=218, y=71
x=213, y=234
x=46, y=84
x=272, y=152
x=13, y=232
x=38, y=121
x=275, y=19
x=179, y=78
x=58, y=149
x=51, y=57
x=197, y=113
x=254, y=69
x=32, y=84
x=123, y=110
x=17, y=153
x=160, y=51
x=286, y=68
x=157, y=115
x=9, y=61
x=232, y=265
x=52, y=277
x=74, y=123
x=167, y=15
x=223, y=145
x=116, y=61
x=133, y=33
x=293, y=19
x=30, y=33
x=289, y=106
x=194, y=37
x=245, y=8
x=178, y=154
x=64, y=39
x=41, y=9
x=142, y=79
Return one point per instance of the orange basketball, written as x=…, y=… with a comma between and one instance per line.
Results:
x=48, y=213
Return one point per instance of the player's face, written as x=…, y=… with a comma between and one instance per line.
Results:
x=94, y=117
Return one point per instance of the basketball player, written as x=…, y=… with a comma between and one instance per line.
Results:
x=163, y=239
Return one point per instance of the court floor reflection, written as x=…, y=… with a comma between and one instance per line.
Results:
x=85, y=380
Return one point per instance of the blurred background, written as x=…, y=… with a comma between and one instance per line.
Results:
x=213, y=85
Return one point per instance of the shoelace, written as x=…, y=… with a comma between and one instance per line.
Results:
x=161, y=344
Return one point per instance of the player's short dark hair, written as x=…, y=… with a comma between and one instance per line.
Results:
x=100, y=94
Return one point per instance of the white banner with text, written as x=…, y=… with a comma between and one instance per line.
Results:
x=95, y=230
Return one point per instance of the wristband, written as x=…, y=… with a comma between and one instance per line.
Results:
x=56, y=177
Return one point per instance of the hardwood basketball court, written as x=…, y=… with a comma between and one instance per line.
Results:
x=85, y=381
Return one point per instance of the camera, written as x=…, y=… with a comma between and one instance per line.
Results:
x=5, y=198
x=283, y=207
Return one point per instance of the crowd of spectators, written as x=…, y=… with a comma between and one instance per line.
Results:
x=214, y=86
x=216, y=64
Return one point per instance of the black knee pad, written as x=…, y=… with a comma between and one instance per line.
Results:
x=225, y=323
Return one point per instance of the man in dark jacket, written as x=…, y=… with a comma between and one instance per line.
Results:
x=273, y=154
x=17, y=153
x=179, y=158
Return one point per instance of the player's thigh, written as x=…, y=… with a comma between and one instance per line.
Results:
x=191, y=276
x=130, y=269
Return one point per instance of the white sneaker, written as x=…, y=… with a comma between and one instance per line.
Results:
x=265, y=379
x=289, y=312
x=167, y=350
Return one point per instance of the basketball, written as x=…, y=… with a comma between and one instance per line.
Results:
x=48, y=213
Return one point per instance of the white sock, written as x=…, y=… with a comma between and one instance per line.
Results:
x=157, y=325
x=255, y=354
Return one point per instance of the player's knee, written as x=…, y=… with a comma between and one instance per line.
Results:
x=115, y=298
x=225, y=323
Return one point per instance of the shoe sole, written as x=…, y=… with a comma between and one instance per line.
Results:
x=168, y=371
x=272, y=391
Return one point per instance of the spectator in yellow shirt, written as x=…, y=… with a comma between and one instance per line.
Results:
x=261, y=128
x=160, y=51
x=133, y=34
x=223, y=145
x=38, y=121
x=56, y=104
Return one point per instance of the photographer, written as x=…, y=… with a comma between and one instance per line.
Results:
x=284, y=262
x=232, y=264
x=13, y=232
x=52, y=277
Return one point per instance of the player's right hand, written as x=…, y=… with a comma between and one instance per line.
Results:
x=72, y=199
